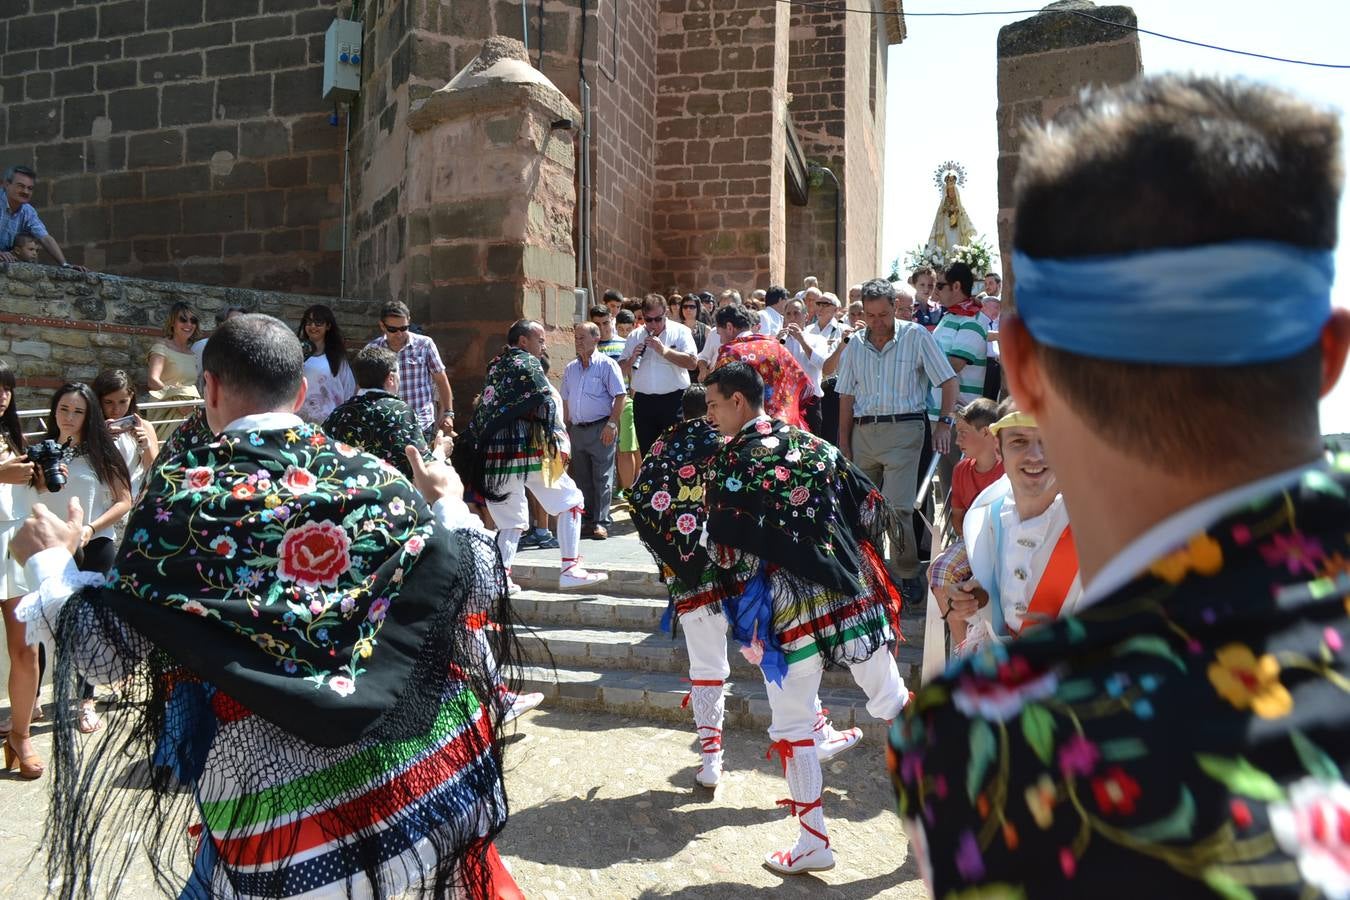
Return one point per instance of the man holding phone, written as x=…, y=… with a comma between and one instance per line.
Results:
x=657, y=360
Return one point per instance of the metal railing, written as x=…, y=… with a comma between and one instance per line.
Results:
x=40, y=414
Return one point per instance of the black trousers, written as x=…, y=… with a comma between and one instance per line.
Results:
x=811, y=412
x=829, y=411
x=653, y=414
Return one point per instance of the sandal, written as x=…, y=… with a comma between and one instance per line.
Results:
x=89, y=720
x=30, y=767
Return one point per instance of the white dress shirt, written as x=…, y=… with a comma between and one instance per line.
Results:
x=653, y=373
x=770, y=321
x=812, y=352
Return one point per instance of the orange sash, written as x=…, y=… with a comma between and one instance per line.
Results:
x=1053, y=588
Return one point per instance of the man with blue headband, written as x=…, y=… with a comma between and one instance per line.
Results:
x=1187, y=728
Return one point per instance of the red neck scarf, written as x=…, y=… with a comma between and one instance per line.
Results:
x=969, y=307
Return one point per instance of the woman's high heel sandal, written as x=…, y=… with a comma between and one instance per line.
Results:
x=30, y=767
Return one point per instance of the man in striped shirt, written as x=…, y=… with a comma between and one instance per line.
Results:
x=965, y=341
x=885, y=374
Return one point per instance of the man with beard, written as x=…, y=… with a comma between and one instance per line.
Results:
x=1186, y=728
x=515, y=442
x=294, y=639
x=786, y=509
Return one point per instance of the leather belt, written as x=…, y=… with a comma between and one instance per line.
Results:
x=898, y=417
x=589, y=424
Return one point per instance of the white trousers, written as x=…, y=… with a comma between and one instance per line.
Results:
x=512, y=514
x=793, y=704
x=705, y=637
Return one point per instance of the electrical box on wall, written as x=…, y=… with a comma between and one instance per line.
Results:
x=342, y=60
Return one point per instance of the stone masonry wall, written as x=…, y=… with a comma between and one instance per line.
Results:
x=57, y=325
x=865, y=135
x=179, y=139
x=1043, y=62
x=816, y=54
x=719, y=166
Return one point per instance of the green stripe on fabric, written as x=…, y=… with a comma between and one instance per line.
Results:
x=970, y=326
x=350, y=774
x=832, y=641
x=970, y=358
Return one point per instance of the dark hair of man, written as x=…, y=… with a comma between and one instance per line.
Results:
x=774, y=295
x=110, y=381
x=9, y=420
x=19, y=170
x=962, y=274
x=738, y=378
x=1225, y=160
x=706, y=297
x=735, y=314
x=694, y=401
x=519, y=329
x=614, y=295
x=334, y=345
x=597, y=312
x=994, y=275
x=372, y=366
x=654, y=303
x=878, y=289
x=104, y=457
x=625, y=317
x=257, y=357
x=979, y=413
x=395, y=309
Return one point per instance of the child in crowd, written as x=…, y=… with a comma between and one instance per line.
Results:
x=981, y=466
x=25, y=248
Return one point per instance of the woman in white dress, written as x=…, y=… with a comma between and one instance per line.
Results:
x=96, y=474
x=135, y=438
x=15, y=473
x=327, y=374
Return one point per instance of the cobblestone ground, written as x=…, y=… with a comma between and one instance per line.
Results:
x=606, y=807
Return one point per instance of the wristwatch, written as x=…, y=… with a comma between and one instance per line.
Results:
x=946, y=420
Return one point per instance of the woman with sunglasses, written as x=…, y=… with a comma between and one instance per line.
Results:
x=328, y=376
x=688, y=316
x=172, y=368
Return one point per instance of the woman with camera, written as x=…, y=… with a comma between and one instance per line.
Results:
x=78, y=458
x=15, y=473
x=171, y=367
x=328, y=377
x=135, y=438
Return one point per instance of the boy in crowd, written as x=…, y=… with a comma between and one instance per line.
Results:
x=981, y=466
x=25, y=248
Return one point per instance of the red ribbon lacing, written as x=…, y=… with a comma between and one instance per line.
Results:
x=821, y=721
x=697, y=682
x=713, y=742
x=800, y=809
x=784, y=750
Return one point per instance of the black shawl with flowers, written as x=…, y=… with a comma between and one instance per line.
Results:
x=667, y=497
x=511, y=425
x=306, y=584
x=192, y=432
x=793, y=500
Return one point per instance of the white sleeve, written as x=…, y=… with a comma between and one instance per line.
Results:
x=710, y=347
x=631, y=342
x=452, y=513
x=54, y=572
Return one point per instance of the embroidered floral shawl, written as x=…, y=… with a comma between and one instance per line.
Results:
x=785, y=383
x=512, y=426
x=667, y=497
x=1190, y=732
x=380, y=424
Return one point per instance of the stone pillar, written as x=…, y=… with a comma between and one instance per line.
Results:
x=1043, y=62
x=490, y=200
x=718, y=214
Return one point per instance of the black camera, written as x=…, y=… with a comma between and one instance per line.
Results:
x=49, y=455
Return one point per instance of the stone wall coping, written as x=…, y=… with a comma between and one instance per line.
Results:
x=448, y=104
x=1056, y=28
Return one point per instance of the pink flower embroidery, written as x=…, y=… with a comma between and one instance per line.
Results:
x=1078, y=756
x=781, y=473
x=199, y=478
x=1002, y=697
x=763, y=426
x=686, y=523
x=798, y=496
x=687, y=472
x=298, y=481
x=1296, y=551
x=224, y=547
x=1313, y=826
x=661, y=501
x=342, y=685
x=657, y=448
x=415, y=544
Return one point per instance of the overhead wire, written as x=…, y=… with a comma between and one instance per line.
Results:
x=838, y=7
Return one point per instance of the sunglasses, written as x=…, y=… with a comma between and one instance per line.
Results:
x=189, y=320
x=690, y=306
x=941, y=284
x=652, y=320
x=824, y=303
x=395, y=329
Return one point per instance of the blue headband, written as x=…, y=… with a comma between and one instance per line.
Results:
x=1216, y=305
